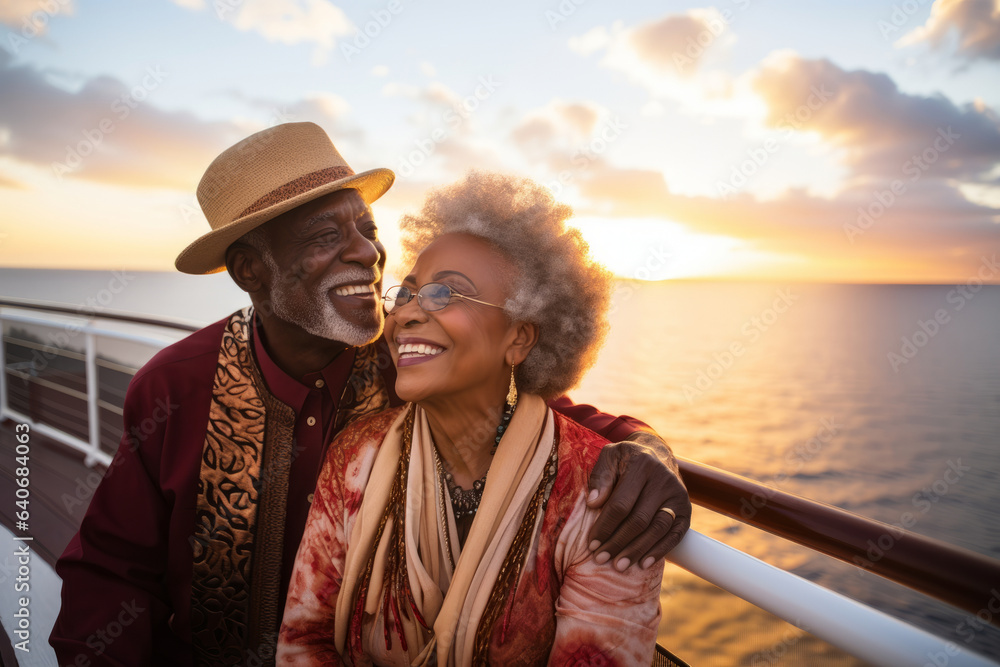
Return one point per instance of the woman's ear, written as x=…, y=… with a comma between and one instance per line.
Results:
x=525, y=338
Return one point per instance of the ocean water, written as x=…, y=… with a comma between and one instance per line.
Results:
x=860, y=396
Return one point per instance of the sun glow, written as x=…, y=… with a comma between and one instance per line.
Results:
x=656, y=249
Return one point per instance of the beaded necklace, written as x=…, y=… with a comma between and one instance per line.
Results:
x=465, y=502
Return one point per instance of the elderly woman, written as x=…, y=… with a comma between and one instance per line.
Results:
x=454, y=530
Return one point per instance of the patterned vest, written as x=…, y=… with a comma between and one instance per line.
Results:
x=240, y=508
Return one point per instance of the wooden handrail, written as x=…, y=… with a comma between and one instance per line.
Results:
x=962, y=578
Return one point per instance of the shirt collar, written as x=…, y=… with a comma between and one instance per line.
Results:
x=292, y=392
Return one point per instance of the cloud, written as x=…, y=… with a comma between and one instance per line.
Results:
x=673, y=57
x=554, y=132
x=32, y=15
x=317, y=22
x=591, y=41
x=581, y=117
x=434, y=94
x=975, y=24
x=535, y=133
x=440, y=94
x=330, y=111
x=11, y=183
x=112, y=132
x=458, y=154
x=323, y=108
x=676, y=44
x=445, y=132
x=842, y=237
x=928, y=147
x=881, y=132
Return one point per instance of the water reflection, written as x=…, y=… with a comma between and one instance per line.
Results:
x=860, y=396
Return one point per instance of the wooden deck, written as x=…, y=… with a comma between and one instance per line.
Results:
x=61, y=487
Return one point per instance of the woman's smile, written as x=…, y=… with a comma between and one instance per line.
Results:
x=412, y=350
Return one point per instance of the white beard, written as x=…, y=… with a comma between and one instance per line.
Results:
x=315, y=313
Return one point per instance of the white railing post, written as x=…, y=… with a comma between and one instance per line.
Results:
x=3, y=372
x=93, y=413
x=91, y=446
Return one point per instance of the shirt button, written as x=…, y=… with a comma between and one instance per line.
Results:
x=311, y=421
x=310, y=497
x=319, y=384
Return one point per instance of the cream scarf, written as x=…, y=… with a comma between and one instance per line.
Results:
x=452, y=603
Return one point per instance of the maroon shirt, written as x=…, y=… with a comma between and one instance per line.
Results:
x=127, y=572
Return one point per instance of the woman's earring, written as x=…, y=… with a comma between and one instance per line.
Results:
x=508, y=411
x=512, y=392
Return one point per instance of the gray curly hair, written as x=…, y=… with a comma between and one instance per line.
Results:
x=558, y=286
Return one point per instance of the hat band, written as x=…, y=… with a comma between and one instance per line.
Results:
x=296, y=187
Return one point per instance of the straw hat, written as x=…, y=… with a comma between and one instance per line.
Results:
x=263, y=176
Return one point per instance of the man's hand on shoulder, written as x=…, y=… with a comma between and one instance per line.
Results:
x=635, y=483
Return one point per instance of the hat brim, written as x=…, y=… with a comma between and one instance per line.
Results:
x=207, y=254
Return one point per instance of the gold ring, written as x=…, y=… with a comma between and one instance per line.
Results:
x=673, y=514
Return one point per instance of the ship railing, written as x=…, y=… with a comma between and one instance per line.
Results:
x=964, y=579
x=961, y=578
x=67, y=404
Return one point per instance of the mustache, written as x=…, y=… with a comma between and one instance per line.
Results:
x=352, y=276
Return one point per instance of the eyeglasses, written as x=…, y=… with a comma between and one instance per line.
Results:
x=431, y=297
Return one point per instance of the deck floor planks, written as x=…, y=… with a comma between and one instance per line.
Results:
x=55, y=470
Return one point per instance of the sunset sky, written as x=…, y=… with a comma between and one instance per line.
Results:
x=841, y=141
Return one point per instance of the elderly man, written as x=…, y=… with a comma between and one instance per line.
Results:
x=185, y=553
